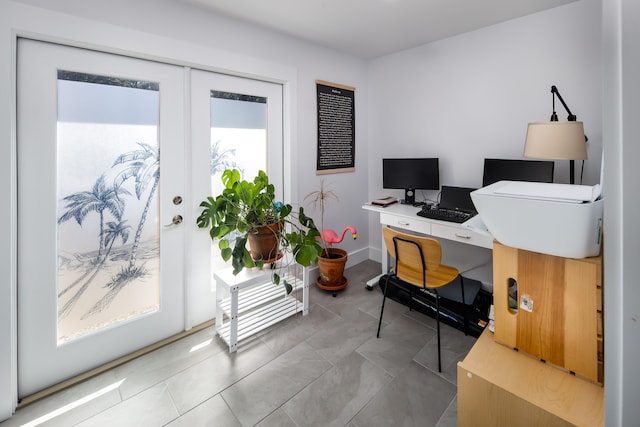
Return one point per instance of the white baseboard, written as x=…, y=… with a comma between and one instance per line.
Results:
x=375, y=254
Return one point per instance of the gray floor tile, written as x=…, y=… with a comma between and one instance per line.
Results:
x=338, y=395
x=392, y=309
x=399, y=342
x=344, y=303
x=263, y=391
x=278, y=418
x=72, y=405
x=341, y=336
x=282, y=337
x=213, y=412
x=155, y=367
x=196, y=384
x=417, y=397
x=152, y=407
x=454, y=346
x=450, y=416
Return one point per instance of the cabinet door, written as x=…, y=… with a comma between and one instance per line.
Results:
x=555, y=311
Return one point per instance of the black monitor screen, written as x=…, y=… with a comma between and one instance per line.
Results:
x=517, y=170
x=411, y=175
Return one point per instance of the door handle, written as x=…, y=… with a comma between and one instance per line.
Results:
x=177, y=219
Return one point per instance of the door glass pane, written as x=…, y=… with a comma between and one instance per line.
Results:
x=238, y=135
x=107, y=179
x=238, y=140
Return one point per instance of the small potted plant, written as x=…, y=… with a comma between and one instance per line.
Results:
x=246, y=211
x=332, y=260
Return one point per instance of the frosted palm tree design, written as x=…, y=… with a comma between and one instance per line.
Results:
x=113, y=231
x=143, y=166
x=222, y=159
x=99, y=199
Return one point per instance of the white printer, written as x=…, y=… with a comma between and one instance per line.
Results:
x=557, y=219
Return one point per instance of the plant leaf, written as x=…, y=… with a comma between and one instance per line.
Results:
x=288, y=287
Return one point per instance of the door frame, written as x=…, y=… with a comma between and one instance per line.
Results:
x=47, y=26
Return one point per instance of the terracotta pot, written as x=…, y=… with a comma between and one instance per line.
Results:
x=331, y=267
x=264, y=243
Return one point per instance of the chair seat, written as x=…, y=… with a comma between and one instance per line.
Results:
x=439, y=277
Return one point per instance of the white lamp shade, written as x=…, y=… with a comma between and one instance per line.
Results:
x=556, y=141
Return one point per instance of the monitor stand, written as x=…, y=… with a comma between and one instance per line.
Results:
x=409, y=196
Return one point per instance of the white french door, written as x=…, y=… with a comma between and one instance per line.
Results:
x=111, y=170
x=235, y=123
x=100, y=262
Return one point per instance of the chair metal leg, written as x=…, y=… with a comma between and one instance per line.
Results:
x=384, y=298
x=438, y=329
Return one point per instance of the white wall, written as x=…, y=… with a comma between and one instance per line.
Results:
x=471, y=96
x=621, y=132
x=177, y=33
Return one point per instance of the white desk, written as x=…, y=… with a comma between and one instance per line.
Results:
x=472, y=254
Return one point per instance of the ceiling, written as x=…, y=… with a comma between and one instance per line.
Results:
x=372, y=28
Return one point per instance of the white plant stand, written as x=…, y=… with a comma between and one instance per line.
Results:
x=250, y=302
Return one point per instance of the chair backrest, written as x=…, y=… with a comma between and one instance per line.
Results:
x=416, y=256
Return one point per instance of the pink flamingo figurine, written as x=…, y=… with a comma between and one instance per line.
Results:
x=330, y=237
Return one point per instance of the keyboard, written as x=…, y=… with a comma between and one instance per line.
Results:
x=443, y=214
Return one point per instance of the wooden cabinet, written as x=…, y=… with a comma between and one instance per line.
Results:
x=555, y=323
x=498, y=386
x=557, y=315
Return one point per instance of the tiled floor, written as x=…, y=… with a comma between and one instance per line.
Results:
x=324, y=369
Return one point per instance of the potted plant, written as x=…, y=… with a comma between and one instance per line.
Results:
x=246, y=211
x=332, y=260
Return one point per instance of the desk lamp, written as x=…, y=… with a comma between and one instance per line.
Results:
x=554, y=140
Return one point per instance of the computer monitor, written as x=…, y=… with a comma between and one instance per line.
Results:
x=517, y=170
x=410, y=175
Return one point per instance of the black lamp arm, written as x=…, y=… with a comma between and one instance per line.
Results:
x=554, y=91
x=572, y=118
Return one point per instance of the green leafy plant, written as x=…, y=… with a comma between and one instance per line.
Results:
x=242, y=209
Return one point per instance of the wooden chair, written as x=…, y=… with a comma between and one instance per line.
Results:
x=418, y=264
